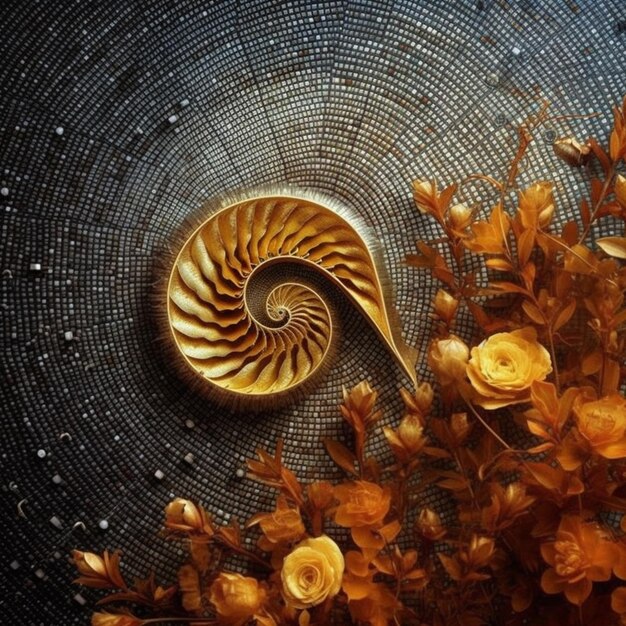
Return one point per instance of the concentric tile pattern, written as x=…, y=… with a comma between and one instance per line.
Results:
x=120, y=118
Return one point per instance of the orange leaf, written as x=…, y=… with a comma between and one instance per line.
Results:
x=499, y=264
x=613, y=246
x=509, y=287
x=580, y=260
x=340, y=455
x=525, y=244
x=564, y=315
x=537, y=429
x=533, y=313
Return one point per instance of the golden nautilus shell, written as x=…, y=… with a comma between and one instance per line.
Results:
x=246, y=326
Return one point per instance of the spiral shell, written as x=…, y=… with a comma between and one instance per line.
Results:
x=252, y=341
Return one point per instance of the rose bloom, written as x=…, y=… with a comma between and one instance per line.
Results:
x=580, y=555
x=361, y=503
x=602, y=423
x=312, y=572
x=236, y=598
x=504, y=366
x=448, y=359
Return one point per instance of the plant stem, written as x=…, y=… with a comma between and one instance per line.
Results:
x=596, y=208
x=479, y=417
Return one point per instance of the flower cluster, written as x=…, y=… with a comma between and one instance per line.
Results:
x=520, y=438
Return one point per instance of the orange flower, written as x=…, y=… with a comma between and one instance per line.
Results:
x=459, y=218
x=507, y=504
x=536, y=205
x=489, y=237
x=465, y=564
x=504, y=366
x=110, y=619
x=185, y=516
x=361, y=503
x=579, y=556
x=312, y=572
x=408, y=439
x=358, y=407
x=602, y=423
x=448, y=359
x=445, y=306
x=282, y=525
x=98, y=571
x=429, y=525
x=320, y=494
x=236, y=598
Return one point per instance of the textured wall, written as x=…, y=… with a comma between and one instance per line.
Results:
x=120, y=118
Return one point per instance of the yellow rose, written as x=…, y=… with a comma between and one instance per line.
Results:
x=236, y=598
x=312, y=572
x=504, y=366
x=602, y=423
x=448, y=359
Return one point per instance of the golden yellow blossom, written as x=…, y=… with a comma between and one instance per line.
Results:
x=361, y=503
x=236, y=598
x=602, y=423
x=448, y=359
x=504, y=366
x=312, y=572
x=579, y=556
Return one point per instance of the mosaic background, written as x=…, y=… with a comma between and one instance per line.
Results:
x=118, y=119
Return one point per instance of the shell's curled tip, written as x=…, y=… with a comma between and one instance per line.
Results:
x=253, y=340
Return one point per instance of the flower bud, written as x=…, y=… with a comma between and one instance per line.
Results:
x=424, y=191
x=429, y=525
x=411, y=434
x=460, y=217
x=89, y=564
x=460, y=427
x=186, y=516
x=620, y=190
x=448, y=359
x=445, y=306
x=320, y=494
x=424, y=397
x=536, y=205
